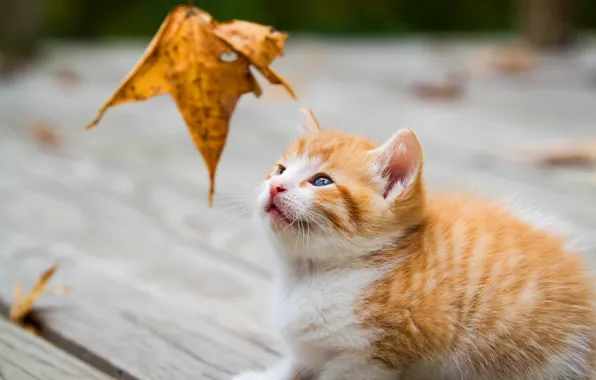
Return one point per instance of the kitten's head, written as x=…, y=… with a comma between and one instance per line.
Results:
x=334, y=193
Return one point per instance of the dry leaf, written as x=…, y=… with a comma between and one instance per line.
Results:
x=438, y=91
x=451, y=88
x=23, y=304
x=273, y=92
x=45, y=135
x=512, y=59
x=573, y=153
x=260, y=44
x=67, y=77
x=204, y=66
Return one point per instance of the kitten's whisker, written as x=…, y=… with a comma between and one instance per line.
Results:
x=238, y=196
x=311, y=218
x=344, y=240
x=230, y=205
x=297, y=237
x=236, y=209
x=300, y=232
x=284, y=140
x=287, y=137
x=244, y=185
x=236, y=215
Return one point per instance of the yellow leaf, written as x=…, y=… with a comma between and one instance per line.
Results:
x=259, y=44
x=23, y=304
x=204, y=66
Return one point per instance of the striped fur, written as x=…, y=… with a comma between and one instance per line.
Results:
x=378, y=280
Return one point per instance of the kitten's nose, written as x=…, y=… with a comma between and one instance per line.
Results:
x=276, y=188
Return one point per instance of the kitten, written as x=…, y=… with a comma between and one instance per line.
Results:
x=378, y=280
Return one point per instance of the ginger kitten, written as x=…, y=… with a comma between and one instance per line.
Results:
x=378, y=280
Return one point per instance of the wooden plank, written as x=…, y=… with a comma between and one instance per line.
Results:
x=168, y=204
x=123, y=284
x=133, y=331
x=165, y=287
x=26, y=357
x=263, y=128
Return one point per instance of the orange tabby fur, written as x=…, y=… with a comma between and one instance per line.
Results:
x=479, y=289
x=465, y=289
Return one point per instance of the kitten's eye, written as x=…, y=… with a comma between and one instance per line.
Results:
x=322, y=180
x=280, y=170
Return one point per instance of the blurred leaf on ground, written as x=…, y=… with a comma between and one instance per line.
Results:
x=45, y=135
x=67, y=77
x=23, y=303
x=453, y=87
x=576, y=153
x=509, y=59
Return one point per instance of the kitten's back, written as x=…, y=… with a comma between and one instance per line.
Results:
x=481, y=292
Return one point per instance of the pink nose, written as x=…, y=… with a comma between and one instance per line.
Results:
x=276, y=188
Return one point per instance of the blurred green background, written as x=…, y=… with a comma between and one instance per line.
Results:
x=24, y=24
x=85, y=19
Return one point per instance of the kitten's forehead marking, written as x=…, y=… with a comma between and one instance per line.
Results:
x=301, y=167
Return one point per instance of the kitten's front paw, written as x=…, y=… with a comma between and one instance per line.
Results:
x=250, y=375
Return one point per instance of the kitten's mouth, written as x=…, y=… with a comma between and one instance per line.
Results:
x=275, y=213
x=280, y=218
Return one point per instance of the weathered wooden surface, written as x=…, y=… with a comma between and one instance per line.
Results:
x=165, y=287
x=25, y=357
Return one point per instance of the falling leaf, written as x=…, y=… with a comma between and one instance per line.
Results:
x=274, y=92
x=572, y=153
x=45, y=135
x=205, y=67
x=23, y=304
x=259, y=44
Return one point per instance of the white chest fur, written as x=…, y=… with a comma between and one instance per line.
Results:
x=315, y=314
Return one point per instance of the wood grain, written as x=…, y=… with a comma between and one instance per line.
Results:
x=165, y=287
x=132, y=329
x=26, y=357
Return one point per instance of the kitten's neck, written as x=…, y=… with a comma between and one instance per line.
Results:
x=366, y=253
x=297, y=268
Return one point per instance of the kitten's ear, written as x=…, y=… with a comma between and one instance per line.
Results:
x=308, y=123
x=398, y=162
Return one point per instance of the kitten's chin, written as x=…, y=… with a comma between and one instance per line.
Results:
x=282, y=220
x=282, y=224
